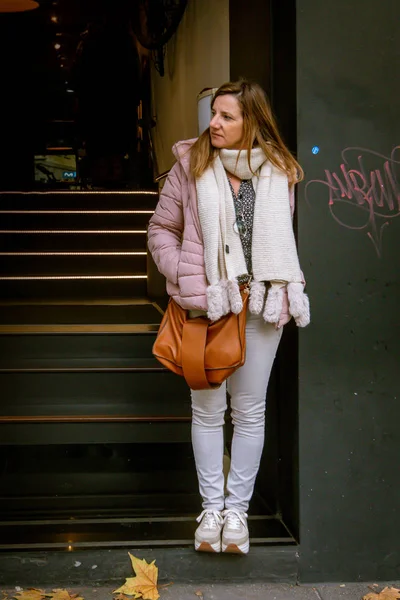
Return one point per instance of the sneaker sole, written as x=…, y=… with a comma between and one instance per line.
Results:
x=207, y=547
x=235, y=549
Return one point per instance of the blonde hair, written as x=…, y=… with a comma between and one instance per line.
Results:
x=259, y=129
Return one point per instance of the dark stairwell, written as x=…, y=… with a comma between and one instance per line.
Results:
x=95, y=445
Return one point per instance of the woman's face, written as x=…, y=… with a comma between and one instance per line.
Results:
x=226, y=125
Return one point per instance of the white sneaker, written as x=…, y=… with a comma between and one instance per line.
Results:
x=208, y=534
x=235, y=535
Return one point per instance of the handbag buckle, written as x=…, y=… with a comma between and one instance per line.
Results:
x=245, y=287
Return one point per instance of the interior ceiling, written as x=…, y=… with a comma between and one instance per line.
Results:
x=77, y=60
x=43, y=43
x=15, y=6
x=68, y=60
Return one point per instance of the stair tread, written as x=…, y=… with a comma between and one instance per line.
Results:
x=122, y=271
x=53, y=314
x=78, y=265
x=74, y=253
x=80, y=364
x=78, y=242
x=76, y=200
x=103, y=302
x=167, y=531
x=41, y=433
x=65, y=231
x=71, y=220
x=66, y=276
x=73, y=288
x=54, y=329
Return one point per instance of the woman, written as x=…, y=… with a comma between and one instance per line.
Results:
x=224, y=218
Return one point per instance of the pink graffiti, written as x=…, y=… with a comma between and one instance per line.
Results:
x=375, y=192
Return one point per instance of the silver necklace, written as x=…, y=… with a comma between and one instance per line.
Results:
x=239, y=225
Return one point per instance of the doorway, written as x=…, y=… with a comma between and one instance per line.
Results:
x=93, y=431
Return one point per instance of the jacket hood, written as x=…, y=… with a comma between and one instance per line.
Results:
x=181, y=151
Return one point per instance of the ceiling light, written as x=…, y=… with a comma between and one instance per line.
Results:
x=13, y=6
x=57, y=46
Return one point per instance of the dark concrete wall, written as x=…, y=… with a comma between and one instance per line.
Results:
x=262, y=48
x=348, y=57
x=283, y=98
x=250, y=41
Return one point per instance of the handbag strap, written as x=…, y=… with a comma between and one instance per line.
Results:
x=194, y=338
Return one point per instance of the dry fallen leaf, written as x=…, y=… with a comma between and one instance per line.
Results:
x=129, y=589
x=60, y=594
x=199, y=594
x=30, y=594
x=164, y=585
x=388, y=593
x=144, y=585
x=121, y=597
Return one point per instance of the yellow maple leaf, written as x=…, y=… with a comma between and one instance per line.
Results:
x=60, y=594
x=128, y=589
x=388, y=593
x=30, y=594
x=144, y=585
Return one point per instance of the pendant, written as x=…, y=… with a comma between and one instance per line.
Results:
x=240, y=227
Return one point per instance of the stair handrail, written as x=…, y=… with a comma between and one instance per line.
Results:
x=162, y=176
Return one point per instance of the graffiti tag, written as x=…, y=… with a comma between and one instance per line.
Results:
x=375, y=193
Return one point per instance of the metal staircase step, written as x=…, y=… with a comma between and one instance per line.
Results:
x=80, y=365
x=137, y=394
x=72, y=287
x=73, y=471
x=66, y=342
x=76, y=200
x=68, y=219
x=83, y=263
x=94, y=431
x=77, y=329
x=269, y=563
x=133, y=240
x=159, y=532
x=79, y=383
x=142, y=311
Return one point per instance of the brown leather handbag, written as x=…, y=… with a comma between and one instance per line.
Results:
x=205, y=353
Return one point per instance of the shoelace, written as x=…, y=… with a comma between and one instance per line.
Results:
x=212, y=519
x=233, y=518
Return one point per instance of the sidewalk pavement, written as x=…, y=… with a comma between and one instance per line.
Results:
x=251, y=591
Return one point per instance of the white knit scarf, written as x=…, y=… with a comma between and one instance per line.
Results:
x=274, y=253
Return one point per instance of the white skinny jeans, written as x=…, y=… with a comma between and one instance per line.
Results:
x=247, y=388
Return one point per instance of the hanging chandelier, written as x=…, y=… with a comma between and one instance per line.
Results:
x=13, y=6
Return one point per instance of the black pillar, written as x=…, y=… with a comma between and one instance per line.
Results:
x=250, y=41
x=348, y=61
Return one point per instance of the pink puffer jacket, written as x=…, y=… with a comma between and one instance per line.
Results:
x=175, y=239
